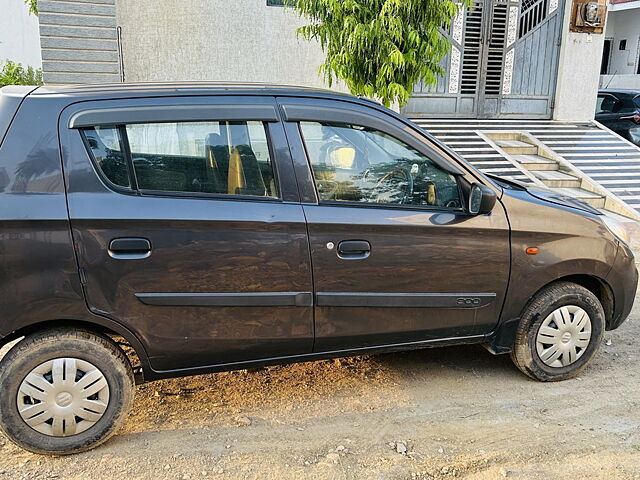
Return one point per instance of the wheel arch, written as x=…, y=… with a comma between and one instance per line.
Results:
x=599, y=287
x=102, y=327
x=502, y=338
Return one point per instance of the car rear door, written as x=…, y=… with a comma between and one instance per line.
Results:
x=391, y=268
x=187, y=226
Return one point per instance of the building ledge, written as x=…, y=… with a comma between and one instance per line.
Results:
x=626, y=81
x=619, y=5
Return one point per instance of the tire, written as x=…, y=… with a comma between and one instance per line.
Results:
x=89, y=418
x=539, y=339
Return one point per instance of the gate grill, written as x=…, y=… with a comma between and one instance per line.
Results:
x=471, y=57
x=532, y=14
x=497, y=40
x=503, y=62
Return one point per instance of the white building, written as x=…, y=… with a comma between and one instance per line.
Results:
x=526, y=65
x=19, y=35
x=621, y=55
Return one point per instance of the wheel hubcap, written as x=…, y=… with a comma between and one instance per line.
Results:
x=63, y=397
x=564, y=336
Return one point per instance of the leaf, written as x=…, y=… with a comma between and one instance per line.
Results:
x=379, y=48
x=33, y=6
x=13, y=73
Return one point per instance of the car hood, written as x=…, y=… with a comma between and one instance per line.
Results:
x=553, y=196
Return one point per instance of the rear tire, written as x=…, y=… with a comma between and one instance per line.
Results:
x=560, y=331
x=82, y=381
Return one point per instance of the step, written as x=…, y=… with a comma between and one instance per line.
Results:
x=557, y=179
x=594, y=199
x=595, y=202
x=536, y=162
x=516, y=147
x=512, y=143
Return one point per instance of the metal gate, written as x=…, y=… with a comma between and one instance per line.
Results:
x=503, y=63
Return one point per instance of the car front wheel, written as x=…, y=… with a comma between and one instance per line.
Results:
x=559, y=332
x=64, y=391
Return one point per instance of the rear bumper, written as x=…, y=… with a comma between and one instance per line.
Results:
x=623, y=279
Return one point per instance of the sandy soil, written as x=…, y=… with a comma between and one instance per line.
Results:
x=458, y=412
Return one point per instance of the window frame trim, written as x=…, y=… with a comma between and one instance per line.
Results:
x=124, y=139
x=208, y=196
x=393, y=206
x=299, y=112
x=174, y=113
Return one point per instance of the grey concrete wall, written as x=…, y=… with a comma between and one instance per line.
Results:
x=79, y=41
x=578, y=73
x=19, y=37
x=220, y=40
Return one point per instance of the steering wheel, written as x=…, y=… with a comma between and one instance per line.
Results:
x=389, y=179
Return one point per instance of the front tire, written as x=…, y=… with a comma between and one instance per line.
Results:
x=559, y=332
x=64, y=391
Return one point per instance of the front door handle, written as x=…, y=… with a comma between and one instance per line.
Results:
x=129, y=248
x=354, y=249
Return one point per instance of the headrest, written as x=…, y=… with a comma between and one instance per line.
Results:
x=343, y=157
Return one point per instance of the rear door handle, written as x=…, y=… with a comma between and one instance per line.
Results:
x=354, y=249
x=129, y=248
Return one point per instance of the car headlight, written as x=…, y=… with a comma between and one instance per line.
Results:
x=617, y=229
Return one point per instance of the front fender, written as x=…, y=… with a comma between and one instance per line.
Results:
x=569, y=242
x=502, y=338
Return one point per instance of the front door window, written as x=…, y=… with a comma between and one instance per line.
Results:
x=358, y=164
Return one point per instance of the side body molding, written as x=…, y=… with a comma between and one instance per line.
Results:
x=406, y=300
x=261, y=299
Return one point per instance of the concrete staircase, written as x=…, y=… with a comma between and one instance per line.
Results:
x=547, y=170
x=580, y=155
x=542, y=166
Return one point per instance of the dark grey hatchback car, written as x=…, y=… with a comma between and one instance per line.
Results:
x=152, y=231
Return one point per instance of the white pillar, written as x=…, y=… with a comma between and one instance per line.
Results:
x=578, y=73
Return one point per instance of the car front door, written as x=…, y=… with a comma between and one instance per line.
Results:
x=185, y=218
x=396, y=258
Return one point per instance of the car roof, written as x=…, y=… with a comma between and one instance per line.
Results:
x=183, y=88
x=619, y=90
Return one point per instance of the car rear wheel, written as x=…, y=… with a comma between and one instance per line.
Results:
x=559, y=332
x=64, y=391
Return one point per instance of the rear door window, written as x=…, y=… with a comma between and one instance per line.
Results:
x=217, y=157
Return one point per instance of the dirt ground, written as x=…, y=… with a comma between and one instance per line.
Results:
x=433, y=414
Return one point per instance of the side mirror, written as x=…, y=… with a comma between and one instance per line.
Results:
x=481, y=199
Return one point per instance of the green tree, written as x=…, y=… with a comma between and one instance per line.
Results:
x=379, y=48
x=13, y=73
x=33, y=6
